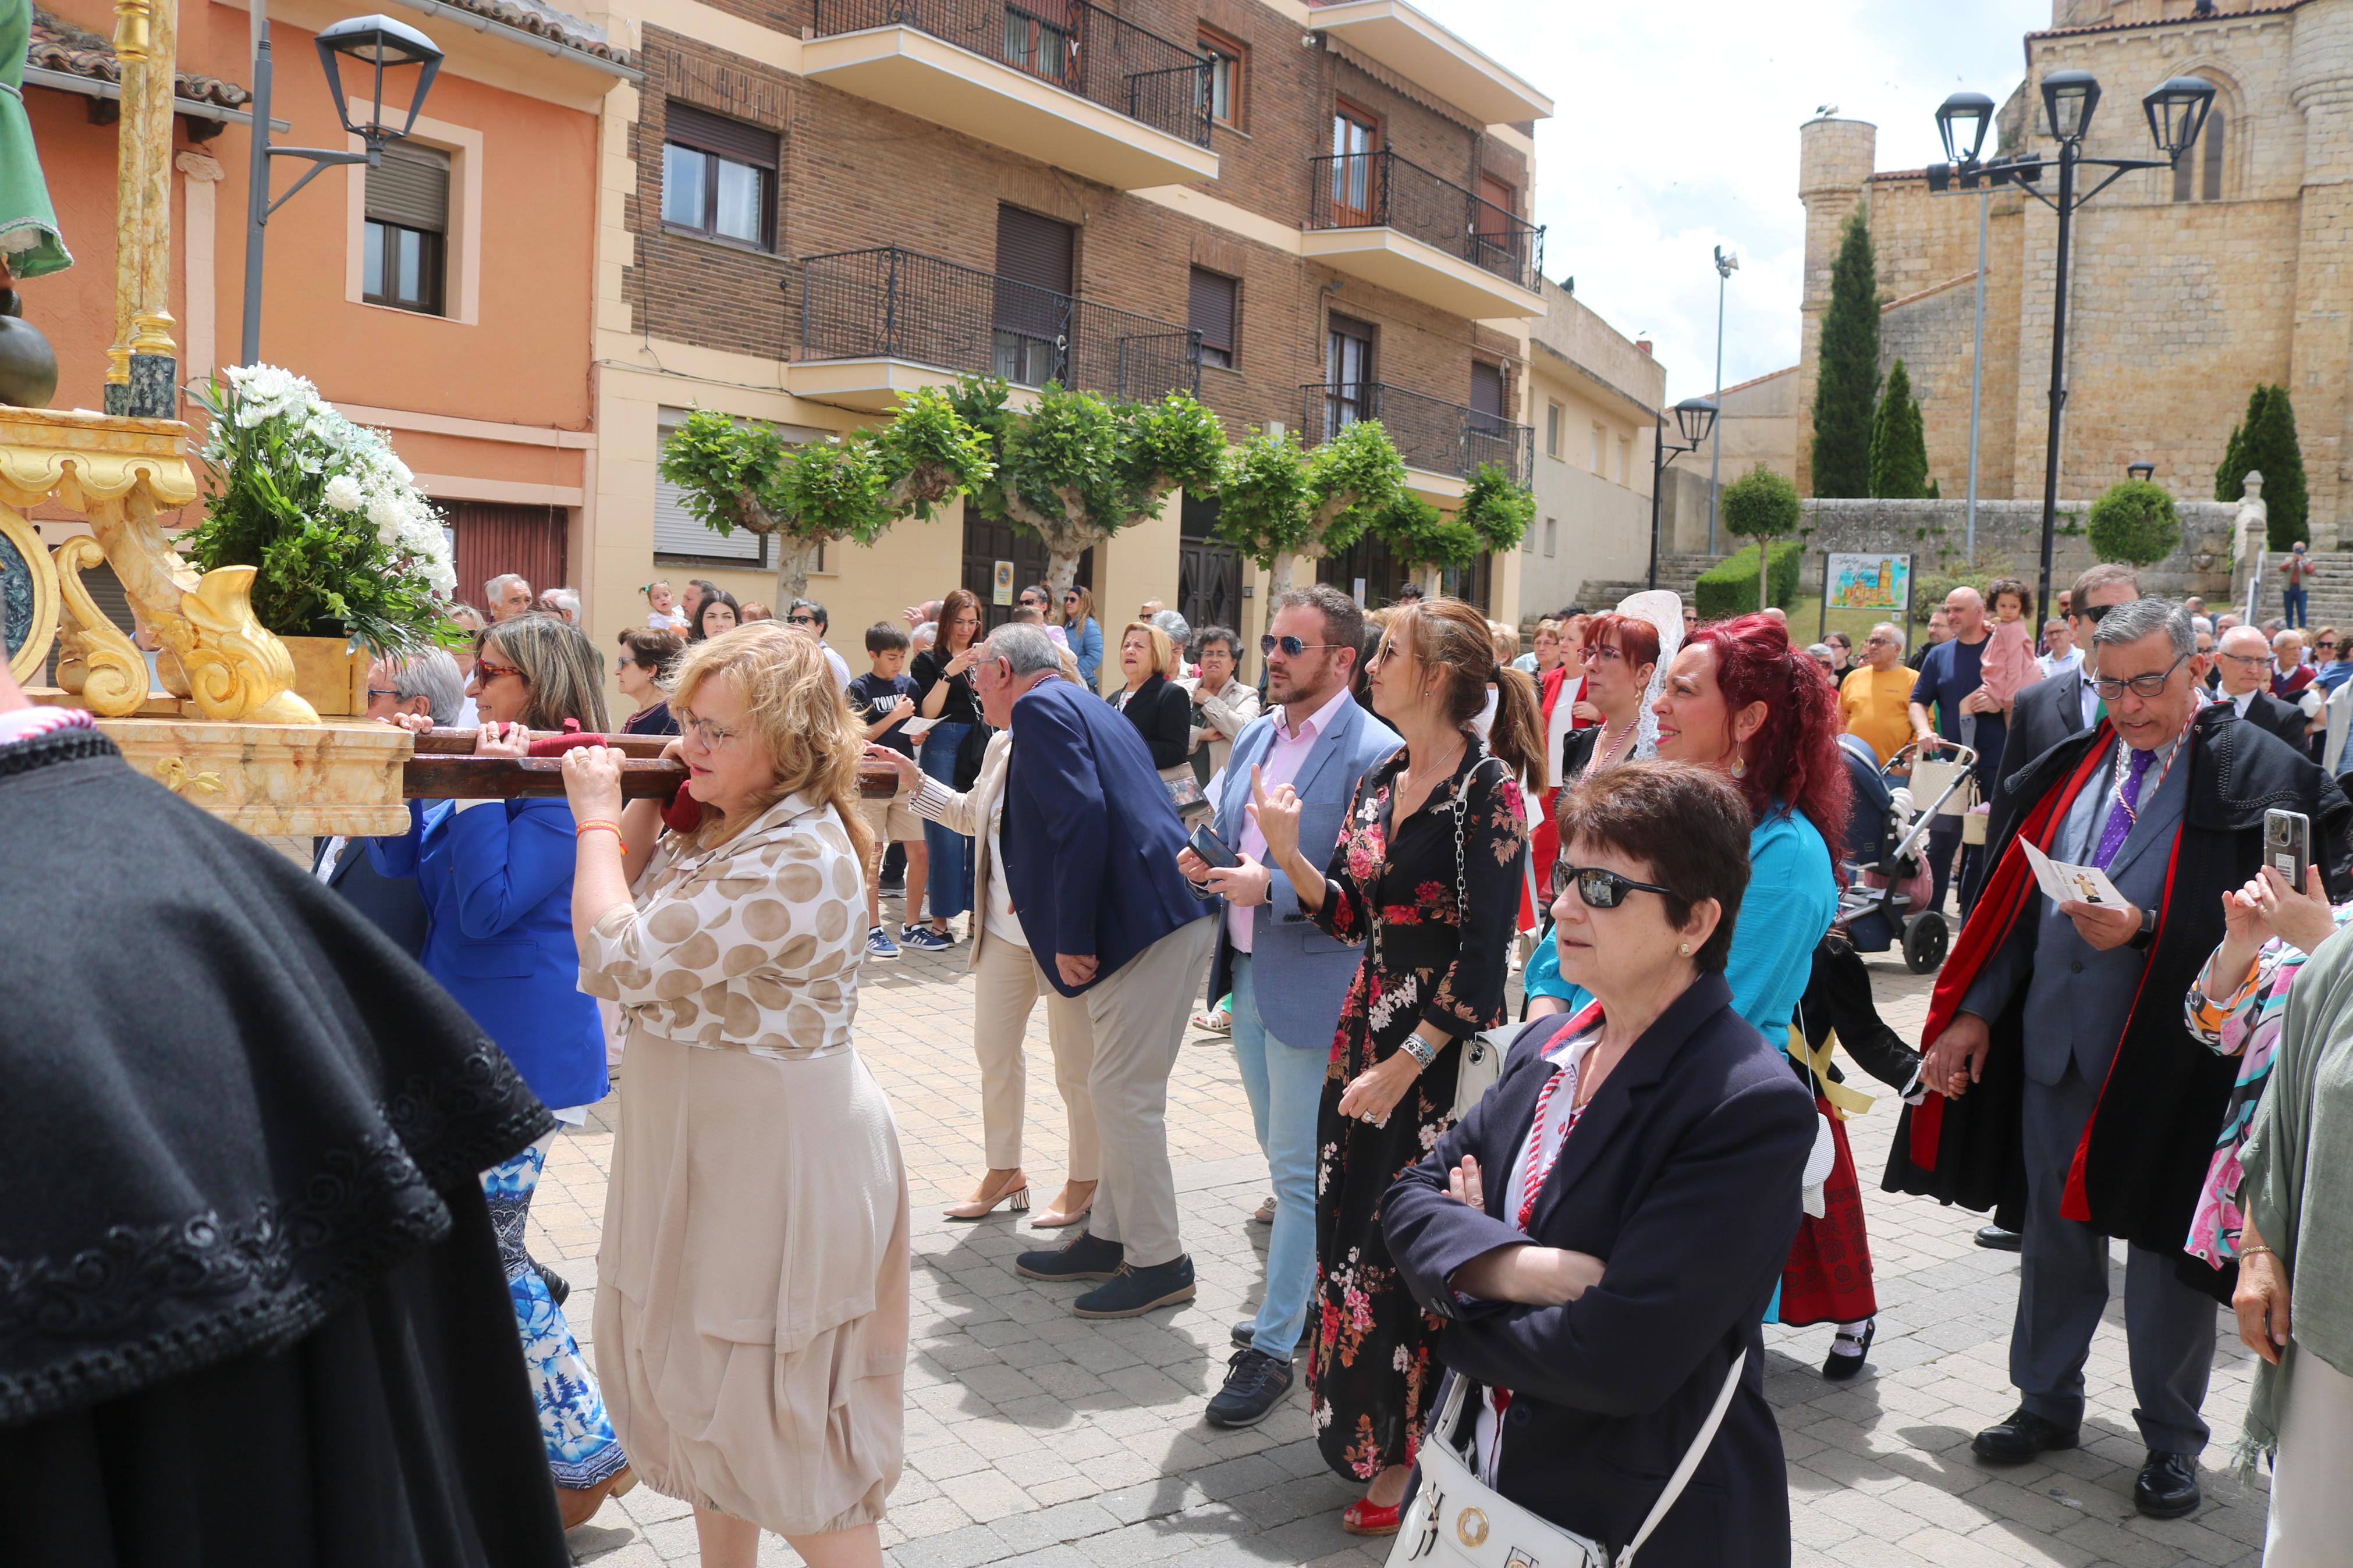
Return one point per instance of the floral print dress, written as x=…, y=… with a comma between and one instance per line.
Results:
x=1438, y=930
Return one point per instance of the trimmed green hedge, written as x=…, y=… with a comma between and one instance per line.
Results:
x=1728, y=588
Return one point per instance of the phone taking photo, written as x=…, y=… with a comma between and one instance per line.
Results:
x=1212, y=849
x=2287, y=845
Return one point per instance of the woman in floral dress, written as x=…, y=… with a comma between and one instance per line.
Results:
x=1426, y=876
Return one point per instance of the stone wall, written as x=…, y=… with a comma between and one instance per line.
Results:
x=2010, y=534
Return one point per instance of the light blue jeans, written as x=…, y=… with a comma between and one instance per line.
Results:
x=1285, y=1085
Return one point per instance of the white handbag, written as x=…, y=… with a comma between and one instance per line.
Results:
x=1456, y=1521
x=1484, y=1055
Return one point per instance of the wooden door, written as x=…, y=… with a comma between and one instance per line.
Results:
x=1493, y=242
x=987, y=542
x=495, y=538
x=1208, y=570
x=1355, y=195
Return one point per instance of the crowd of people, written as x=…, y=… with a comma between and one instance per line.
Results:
x=1534, y=1253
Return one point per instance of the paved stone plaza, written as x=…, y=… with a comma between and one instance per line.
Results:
x=1035, y=1438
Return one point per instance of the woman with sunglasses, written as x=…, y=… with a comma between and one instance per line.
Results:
x=496, y=877
x=1601, y=1234
x=1427, y=874
x=1085, y=636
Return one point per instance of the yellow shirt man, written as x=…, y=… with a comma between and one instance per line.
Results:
x=1875, y=705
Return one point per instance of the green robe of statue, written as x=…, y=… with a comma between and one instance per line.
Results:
x=29, y=242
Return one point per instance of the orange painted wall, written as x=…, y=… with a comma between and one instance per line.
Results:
x=524, y=362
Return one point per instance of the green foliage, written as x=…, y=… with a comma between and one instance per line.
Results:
x=1420, y=535
x=2135, y=522
x=1899, y=447
x=343, y=543
x=2265, y=442
x=1761, y=504
x=1929, y=588
x=1497, y=509
x=1846, y=378
x=1729, y=587
x=1273, y=500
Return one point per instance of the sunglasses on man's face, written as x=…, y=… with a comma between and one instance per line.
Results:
x=1600, y=889
x=1292, y=646
x=800, y=620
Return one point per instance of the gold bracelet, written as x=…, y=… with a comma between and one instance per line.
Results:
x=2258, y=1250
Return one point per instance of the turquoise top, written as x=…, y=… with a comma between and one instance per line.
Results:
x=1791, y=899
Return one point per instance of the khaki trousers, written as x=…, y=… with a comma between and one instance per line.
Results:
x=1005, y=986
x=1133, y=1021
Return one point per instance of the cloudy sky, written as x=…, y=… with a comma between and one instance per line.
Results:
x=1675, y=130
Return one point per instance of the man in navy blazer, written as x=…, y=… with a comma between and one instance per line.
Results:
x=1287, y=978
x=1089, y=843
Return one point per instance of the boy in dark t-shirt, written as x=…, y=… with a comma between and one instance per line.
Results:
x=884, y=699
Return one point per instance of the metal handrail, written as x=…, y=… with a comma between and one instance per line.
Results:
x=1080, y=48
x=1430, y=433
x=890, y=302
x=1382, y=190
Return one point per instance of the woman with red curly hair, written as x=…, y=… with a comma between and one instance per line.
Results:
x=1740, y=698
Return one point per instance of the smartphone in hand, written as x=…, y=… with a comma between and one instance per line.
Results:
x=1212, y=849
x=2287, y=845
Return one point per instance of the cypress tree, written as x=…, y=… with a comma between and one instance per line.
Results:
x=2234, y=451
x=2268, y=444
x=1846, y=377
x=1899, y=447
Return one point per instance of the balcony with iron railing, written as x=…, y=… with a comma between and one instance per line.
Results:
x=1389, y=221
x=1062, y=81
x=1401, y=37
x=877, y=323
x=1434, y=436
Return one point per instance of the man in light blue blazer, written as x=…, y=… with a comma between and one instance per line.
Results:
x=1287, y=978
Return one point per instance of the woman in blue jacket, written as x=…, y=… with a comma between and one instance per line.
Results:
x=1085, y=636
x=496, y=877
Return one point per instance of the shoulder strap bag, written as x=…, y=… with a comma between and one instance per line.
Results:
x=1457, y=1520
x=1482, y=1054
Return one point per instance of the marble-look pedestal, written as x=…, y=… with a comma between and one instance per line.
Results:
x=273, y=779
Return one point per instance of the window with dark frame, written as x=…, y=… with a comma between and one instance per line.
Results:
x=403, y=262
x=1212, y=313
x=719, y=178
x=1225, y=72
x=1347, y=373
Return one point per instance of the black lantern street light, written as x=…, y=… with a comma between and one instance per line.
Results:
x=2141, y=469
x=390, y=51
x=1695, y=417
x=2176, y=112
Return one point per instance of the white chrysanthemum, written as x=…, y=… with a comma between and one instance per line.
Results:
x=343, y=493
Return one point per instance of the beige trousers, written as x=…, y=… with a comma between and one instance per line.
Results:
x=1133, y=1024
x=1006, y=985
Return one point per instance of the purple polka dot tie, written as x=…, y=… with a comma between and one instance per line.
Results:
x=2120, y=824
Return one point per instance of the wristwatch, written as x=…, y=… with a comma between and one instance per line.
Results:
x=2147, y=932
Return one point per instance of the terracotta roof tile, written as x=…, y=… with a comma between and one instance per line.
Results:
x=59, y=46
x=557, y=26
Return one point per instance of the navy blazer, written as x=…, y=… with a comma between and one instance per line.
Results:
x=1683, y=1175
x=1300, y=975
x=1090, y=837
x=497, y=883
x=392, y=904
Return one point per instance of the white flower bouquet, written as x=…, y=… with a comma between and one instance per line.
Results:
x=343, y=543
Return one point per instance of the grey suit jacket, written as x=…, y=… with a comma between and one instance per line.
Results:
x=2077, y=997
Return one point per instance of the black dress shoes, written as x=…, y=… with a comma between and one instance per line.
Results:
x=1994, y=1239
x=2022, y=1437
x=1244, y=1334
x=2167, y=1486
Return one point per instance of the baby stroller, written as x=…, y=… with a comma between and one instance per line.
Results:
x=1884, y=876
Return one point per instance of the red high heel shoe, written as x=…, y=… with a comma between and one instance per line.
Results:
x=1366, y=1516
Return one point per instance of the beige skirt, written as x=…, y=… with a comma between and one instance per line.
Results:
x=752, y=1299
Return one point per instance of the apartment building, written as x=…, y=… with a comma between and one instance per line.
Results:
x=446, y=295
x=1304, y=214
x=1592, y=392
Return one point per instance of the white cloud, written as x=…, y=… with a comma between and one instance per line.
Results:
x=1675, y=130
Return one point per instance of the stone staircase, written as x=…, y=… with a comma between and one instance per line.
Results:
x=1676, y=573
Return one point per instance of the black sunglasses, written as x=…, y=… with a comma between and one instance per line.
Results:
x=1599, y=889
x=2094, y=613
x=1292, y=646
x=800, y=620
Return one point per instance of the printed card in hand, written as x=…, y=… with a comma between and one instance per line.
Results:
x=2062, y=882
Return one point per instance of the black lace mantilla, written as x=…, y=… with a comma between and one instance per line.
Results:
x=148, y=1302
x=72, y=745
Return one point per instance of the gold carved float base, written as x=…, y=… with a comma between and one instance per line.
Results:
x=268, y=779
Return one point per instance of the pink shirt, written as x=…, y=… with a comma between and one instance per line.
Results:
x=1285, y=757
x=2007, y=666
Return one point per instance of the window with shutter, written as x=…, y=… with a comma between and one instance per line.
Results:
x=1034, y=267
x=1213, y=315
x=719, y=177
x=405, y=241
x=1486, y=398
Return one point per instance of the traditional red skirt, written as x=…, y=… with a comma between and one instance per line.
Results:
x=1828, y=1276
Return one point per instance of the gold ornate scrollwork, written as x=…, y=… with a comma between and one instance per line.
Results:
x=235, y=670
x=24, y=543
x=176, y=776
x=95, y=659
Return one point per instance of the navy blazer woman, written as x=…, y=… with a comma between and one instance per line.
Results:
x=1161, y=713
x=497, y=880
x=1683, y=1176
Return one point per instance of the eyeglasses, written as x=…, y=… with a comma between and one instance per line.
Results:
x=1292, y=646
x=711, y=736
x=380, y=692
x=1877, y=638
x=2249, y=660
x=2151, y=685
x=1599, y=889
x=1600, y=653
x=2094, y=613
x=800, y=620
x=489, y=670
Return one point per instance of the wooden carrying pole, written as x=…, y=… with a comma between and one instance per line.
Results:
x=445, y=768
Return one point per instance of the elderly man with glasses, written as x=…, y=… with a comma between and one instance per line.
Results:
x=2245, y=659
x=808, y=618
x=2058, y=1066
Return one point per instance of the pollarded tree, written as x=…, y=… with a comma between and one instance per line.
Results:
x=1899, y=447
x=1846, y=373
x=747, y=475
x=1077, y=468
x=1491, y=519
x=1281, y=505
x=2135, y=522
x=1761, y=505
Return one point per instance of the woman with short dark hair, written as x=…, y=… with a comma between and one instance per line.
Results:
x=646, y=659
x=1601, y=1234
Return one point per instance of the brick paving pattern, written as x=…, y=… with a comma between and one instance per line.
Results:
x=1039, y=1439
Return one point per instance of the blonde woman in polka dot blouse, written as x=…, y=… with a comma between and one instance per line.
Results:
x=752, y=1322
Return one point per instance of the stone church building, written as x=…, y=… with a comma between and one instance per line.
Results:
x=2189, y=286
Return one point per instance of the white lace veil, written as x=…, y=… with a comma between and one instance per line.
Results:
x=1663, y=610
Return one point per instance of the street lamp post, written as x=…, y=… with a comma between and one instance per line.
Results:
x=1727, y=263
x=378, y=43
x=1695, y=417
x=2177, y=112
